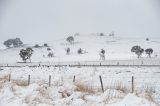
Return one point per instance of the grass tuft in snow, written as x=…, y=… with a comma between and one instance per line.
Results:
x=84, y=88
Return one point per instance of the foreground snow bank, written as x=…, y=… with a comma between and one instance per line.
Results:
x=86, y=90
x=42, y=95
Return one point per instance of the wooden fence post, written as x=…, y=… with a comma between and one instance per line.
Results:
x=9, y=77
x=132, y=84
x=74, y=79
x=101, y=83
x=49, y=80
x=29, y=78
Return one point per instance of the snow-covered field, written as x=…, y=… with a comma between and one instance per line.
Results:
x=86, y=90
x=116, y=49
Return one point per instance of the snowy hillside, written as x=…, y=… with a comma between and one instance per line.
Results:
x=116, y=49
x=42, y=85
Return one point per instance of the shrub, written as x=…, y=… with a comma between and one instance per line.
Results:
x=37, y=46
x=45, y=45
x=48, y=49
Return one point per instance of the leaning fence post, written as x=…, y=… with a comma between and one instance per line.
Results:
x=101, y=83
x=132, y=84
x=49, y=80
x=9, y=77
x=74, y=78
x=29, y=77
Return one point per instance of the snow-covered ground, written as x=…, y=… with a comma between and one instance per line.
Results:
x=116, y=48
x=85, y=91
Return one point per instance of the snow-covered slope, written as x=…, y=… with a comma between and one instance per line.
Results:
x=116, y=49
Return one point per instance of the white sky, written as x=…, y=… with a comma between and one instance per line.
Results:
x=49, y=19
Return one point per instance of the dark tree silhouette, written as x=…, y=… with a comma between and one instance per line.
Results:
x=149, y=51
x=137, y=50
x=147, y=39
x=8, y=43
x=50, y=54
x=45, y=45
x=70, y=39
x=26, y=54
x=48, y=49
x=37, y=46
x=79, y=51
x=102, y=54
x=13, y=42
x=68, y=51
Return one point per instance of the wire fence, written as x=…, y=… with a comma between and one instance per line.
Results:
x=97, y=82
x=148, y=62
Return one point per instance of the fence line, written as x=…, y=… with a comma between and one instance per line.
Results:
x=147, y=62
x=132, y=83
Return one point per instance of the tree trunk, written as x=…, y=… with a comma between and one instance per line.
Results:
x=29, y=60
x=149, y=55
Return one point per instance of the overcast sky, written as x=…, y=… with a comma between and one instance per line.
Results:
x=48, y=19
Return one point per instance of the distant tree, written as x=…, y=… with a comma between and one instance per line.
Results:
x=70, y=39
x=13, y=42
x=79, y=51
x=45, y=45
x=112, y=34
x=68, y=51
x=147, y=39
x=101, y=34
x=137, y=50
x=50, y=54
x=29, y=52
x=102, y=54
x=149, y=51
x=48, y=49
x=37, y=46
x=8, y=43
x=102, y=51
x=26, y=54
x=76, y=34
x=17, y=42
